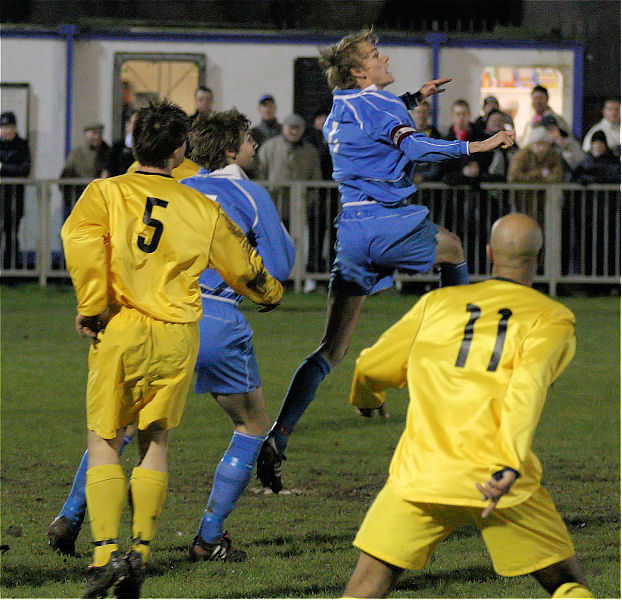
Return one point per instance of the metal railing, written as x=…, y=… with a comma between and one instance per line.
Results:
x=581, y=226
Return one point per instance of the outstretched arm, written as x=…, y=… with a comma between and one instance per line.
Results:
x=503, y=139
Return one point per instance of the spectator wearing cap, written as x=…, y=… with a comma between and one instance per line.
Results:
x=600, y=165
x=268, y=126
x=609, y=125
x=87, y=161
x=541, y=109
x=14, y=162
x=490, y=103
x=289, y=157
x=568, y=146
x=539, y=162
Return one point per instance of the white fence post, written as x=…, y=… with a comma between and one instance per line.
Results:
x=553, y=236
x=297, y=223
x=43, y=239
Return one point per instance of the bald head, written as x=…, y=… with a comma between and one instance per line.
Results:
x=515, y=244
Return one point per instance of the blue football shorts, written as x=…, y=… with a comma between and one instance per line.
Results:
x=374, y=240
x=226, y=363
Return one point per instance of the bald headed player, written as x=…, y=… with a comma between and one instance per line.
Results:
x=478, y=361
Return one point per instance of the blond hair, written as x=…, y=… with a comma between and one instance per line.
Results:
x=339, y=59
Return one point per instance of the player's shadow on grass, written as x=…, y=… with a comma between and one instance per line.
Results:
x=429, y=581
x=309, y=538
x=422, y=583
x=291, y=546
x=15, y=576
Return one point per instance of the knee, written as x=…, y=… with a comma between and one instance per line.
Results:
x=334, y=353
x=449, y=248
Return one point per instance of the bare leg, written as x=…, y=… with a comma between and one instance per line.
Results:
x=565, y=571
x=153, y=449
x=247, y=411
x=103, y=451
x=341, y=320
x=342, y=317
x=450, y=259
x=372, y=578
x=448, y=247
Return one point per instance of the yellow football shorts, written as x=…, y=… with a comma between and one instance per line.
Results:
x=520, y=539
x=140, y=370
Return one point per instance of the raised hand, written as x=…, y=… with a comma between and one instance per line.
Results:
x=429, y=88
x=503, y=139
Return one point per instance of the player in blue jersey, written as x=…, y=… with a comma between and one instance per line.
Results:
x=226, y=365
x=374, y=146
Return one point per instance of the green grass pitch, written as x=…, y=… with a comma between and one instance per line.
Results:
x=299, y=543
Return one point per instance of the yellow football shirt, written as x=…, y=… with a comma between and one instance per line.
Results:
x=142, y=240
x=187, y=168
x=478, y=361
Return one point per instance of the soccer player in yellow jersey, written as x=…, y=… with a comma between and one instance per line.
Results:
x=478, y=361
x=135, y=246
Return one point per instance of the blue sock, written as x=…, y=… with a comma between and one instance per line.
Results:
x=301, y=392
x=231, y=478
x=75, y=505
x=452, y=274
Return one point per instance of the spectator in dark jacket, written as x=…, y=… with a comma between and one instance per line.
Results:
x=500, y=158
x=14, y=162
x=462, y=129
x=121, y=155
x=425, y=171
x=601, y=164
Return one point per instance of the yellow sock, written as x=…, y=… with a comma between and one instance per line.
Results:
x=106, y=494
x=572, y=590
x=148, y=489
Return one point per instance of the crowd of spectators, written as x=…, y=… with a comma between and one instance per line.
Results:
x=546, y=152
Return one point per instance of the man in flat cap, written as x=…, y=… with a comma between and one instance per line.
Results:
x=87, y=161
x=14, y=162
x=289, y=157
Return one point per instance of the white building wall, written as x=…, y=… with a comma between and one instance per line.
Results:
x=238, y=73
x=41, y=63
